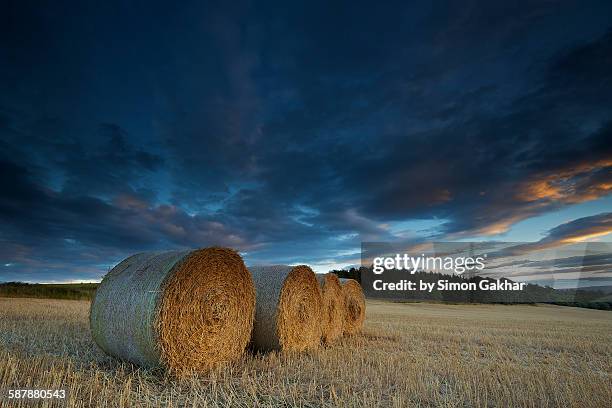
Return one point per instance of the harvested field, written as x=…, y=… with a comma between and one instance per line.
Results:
x=409, y=354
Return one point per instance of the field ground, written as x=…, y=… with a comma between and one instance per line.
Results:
x=415, y=354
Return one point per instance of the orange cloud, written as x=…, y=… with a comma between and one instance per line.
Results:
x=570, y=186
x=586, y=237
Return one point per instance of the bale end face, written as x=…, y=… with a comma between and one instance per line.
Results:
x=354, y=301
x=299, y=311
x=207, y=311
x=333, y=307
x=288, y=316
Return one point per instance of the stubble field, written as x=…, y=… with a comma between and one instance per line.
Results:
x=409, y=355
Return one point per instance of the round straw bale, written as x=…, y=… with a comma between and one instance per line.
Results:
x=288, y=311
x=333, y=307
x=354, y=301
x=179, y=310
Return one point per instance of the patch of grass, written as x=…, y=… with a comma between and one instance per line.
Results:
x=419, y=354
x=589, y=305
x=71, y=291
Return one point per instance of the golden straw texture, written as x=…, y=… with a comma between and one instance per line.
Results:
x=288, y=311
x=354, y=301
x=333, y=307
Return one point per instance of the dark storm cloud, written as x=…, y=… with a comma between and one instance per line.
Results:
x=495, y=170
x=292, y=132
x=357, y=128
x=45, y=230
x=100, y=160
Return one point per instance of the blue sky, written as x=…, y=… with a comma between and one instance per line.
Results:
x=295, y=132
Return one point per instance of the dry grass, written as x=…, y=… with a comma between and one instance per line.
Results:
x=408, y=355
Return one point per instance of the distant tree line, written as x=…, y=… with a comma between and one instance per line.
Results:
x=72, y=291
x=348, y=274
x=530, y=294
